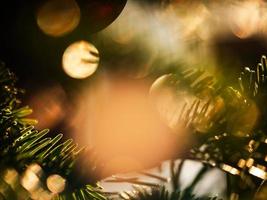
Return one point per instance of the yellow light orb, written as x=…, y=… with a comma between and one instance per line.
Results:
x=80, y=60
x=58, y=17
x=30, y=181
x=56, y=184
x=36, y=169
x=11, y=177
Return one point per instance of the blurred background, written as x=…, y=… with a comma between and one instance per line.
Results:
x=88, y=66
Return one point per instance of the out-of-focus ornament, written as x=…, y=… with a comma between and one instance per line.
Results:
x=169, y=98
x=98, y=14
x=157, y=2
x=58, y=17
x=80, y=60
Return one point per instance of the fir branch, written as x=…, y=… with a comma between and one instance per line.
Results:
x=196, y=81
x=160, y=194
x=22, y=145
x=252, y=81
x=225, y=122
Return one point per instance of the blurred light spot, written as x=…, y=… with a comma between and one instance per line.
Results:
x=11, y=177
x=258, y=172
x=250, y=162
x=241, y=163
x=80, y=60
x=35, y=168
x=230, y=169
x=49, y=106
x=58, y=17
x=56, y=184
x=246, y=18
x=30, y=180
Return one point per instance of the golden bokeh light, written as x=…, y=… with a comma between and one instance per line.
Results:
x=58, y=17
x=11, y=177
x=247, y=18
x=30, y=180
x=258, y=172
x=230, y=169
x=56, y=184
x=80, y=60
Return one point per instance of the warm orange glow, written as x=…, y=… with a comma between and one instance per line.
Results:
x=80, y=60
x=58, y=17
x=246, y=19
x=49, y=107
x=116, y=117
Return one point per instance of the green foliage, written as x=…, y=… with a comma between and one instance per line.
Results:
x=230, y=128
x=22, y=145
